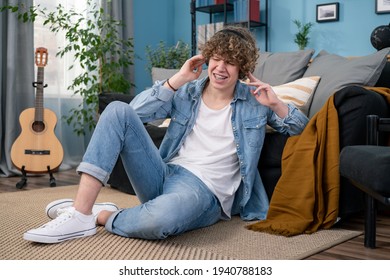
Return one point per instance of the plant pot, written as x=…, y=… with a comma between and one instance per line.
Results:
x=160, y=74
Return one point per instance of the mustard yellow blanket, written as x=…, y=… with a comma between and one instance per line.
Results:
x=306, y=196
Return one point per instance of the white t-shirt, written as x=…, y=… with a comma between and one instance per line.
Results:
x=209, y=152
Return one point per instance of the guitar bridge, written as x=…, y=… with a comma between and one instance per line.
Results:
x=37, y=152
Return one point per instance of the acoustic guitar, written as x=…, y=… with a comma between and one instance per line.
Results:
x=37, y=149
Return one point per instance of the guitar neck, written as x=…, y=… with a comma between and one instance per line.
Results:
x=39, y=95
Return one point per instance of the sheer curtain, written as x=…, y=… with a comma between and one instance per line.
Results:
x=122, y=10
x=16, y=77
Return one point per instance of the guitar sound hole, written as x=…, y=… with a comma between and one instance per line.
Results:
x=38, y=126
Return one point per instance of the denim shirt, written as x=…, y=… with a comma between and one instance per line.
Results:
x=249, y=119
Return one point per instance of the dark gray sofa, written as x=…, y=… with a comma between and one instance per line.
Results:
x=352, y=101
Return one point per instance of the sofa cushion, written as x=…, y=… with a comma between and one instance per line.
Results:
x=282, y=67
x=338, y=72
x=298, y=92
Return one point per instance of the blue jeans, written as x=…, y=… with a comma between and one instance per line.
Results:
x=173, y=200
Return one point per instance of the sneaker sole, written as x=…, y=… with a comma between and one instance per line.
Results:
x=57, y=239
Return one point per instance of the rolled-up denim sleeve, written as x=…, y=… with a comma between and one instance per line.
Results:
x=110, y=221
x=292, y=124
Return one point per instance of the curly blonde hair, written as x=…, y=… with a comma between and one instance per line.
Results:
x=235, y=45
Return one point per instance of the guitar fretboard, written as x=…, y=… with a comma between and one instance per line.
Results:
x=39, y=95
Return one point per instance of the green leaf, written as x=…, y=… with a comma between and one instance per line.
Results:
x=94, y=41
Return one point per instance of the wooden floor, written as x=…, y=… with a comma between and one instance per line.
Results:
x=350, y=250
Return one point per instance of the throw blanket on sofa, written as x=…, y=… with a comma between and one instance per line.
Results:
x=306, y=196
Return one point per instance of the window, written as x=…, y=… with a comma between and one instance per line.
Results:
x=57, y=75
x=58, y=78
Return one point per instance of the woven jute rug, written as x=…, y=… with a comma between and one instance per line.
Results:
x=226, y=240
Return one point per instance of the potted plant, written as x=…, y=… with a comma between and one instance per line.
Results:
x=302, y=37
x=165, y=61
x=92, y=36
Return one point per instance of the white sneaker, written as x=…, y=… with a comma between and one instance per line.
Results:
x=69, y=224
x=53, y=207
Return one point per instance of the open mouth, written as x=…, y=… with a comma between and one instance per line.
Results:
x=219, y=77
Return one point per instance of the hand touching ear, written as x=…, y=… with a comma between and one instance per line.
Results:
x=192, y=68
x=189, y=71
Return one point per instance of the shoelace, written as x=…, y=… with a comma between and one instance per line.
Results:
x=64, y=215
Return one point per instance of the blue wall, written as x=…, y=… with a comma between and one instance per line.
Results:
x=348, y=36
x=170, y=21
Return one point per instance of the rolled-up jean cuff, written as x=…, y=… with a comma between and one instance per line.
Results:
x=94, y=171
x=111, y=219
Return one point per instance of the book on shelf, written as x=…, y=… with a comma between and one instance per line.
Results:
x=203, y=3
x=246, y=10
x=206, y=31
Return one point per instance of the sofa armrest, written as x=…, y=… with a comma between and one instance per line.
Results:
x=384, y=79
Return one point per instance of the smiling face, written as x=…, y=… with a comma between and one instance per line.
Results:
x=236, y=46
x=222, y=73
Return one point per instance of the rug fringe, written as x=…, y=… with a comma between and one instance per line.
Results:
x=261, y=227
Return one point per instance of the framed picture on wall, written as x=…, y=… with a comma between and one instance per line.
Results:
x=328, y=12
x=382, y=6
